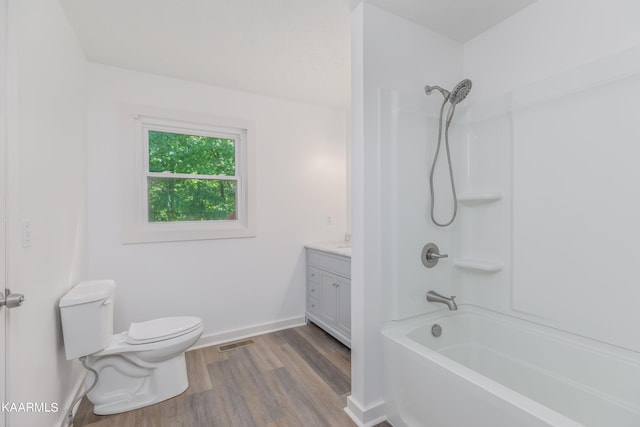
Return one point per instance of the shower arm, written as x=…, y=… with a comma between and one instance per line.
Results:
x=445, y=93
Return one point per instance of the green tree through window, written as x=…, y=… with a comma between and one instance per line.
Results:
x=191, y=177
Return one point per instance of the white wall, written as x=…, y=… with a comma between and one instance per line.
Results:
x=547, y=38
x=232, y=284
x=570, y=72
x=390, y=57
x=404, y=120
x=46, y=185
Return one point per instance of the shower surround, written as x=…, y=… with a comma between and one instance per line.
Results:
x=544, y=152
x=500, y=256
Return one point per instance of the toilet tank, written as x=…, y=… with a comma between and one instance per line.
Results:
x=86, y=312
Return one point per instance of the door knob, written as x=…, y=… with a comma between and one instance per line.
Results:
x=11, y=300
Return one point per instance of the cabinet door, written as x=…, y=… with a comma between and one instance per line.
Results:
x=344, y=306
x=329, y=298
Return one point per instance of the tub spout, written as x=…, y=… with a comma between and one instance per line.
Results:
x=433, y=296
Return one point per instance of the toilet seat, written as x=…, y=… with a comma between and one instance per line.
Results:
x=161, y=329
x=120, y=343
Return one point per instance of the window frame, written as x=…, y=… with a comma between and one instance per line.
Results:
x=134, y=181
x=238, y=137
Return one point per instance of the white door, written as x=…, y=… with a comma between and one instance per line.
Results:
x=3, y=192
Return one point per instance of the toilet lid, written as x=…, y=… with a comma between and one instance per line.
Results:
x=161, y=329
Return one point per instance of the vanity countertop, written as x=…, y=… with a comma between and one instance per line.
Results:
x=337, y=248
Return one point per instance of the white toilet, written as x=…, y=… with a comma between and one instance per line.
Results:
x=137, y=368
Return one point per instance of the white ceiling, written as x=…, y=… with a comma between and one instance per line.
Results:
x=460, y=20
x=292, y=49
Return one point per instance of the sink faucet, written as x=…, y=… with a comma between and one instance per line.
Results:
x=433, y=296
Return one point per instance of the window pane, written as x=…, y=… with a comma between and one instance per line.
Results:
x=193, y=154
x=172, y=199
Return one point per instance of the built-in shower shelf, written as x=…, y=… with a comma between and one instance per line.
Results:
x=480, y=198
x=481, y=265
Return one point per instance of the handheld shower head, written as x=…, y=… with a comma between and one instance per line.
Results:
x=457, y=94
x=460, y=92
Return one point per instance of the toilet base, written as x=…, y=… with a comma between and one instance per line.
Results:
x=125, y=382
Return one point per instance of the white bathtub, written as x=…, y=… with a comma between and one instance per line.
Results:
x=493, y=370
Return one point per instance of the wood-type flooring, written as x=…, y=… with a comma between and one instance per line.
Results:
x=298, y=377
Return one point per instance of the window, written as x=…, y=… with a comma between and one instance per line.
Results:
x=190, y=177
x=193, y=178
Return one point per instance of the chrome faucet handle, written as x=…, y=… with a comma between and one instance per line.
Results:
x=432, y=254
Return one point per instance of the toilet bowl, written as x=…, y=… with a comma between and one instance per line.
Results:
x=139, y=367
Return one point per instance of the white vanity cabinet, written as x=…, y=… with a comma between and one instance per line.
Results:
x=329, y=292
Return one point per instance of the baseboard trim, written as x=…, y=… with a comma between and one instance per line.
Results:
x=250, y=331
x=365, y=417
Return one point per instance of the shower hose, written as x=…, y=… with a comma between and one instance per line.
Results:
x=435, y=160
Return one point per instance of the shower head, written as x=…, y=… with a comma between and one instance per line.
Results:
x=460, y=92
